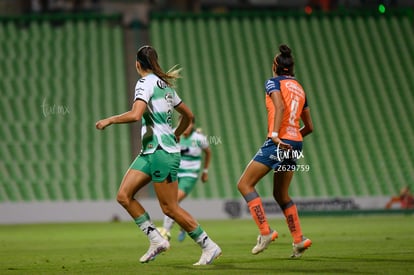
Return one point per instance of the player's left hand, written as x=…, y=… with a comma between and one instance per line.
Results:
x=282, y=145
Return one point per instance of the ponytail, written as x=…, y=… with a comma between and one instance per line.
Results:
x=148, y=59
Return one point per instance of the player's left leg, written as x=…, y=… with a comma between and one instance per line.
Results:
x=281, y=181
x=166, y=191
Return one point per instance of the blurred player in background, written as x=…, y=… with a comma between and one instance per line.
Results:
x=405, y=199
x=286, y=104
x=193, y=146
x=155, y=100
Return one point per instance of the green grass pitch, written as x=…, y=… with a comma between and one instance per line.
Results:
x=366, y=244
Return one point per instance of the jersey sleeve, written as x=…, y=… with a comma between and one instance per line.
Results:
x=143, y=91
x=272, y=85
x=176, y=100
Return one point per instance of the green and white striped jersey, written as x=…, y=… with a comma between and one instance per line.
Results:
x=157, y=118
x=191, y=154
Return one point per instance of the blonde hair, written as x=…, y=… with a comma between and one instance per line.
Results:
x=173, y=74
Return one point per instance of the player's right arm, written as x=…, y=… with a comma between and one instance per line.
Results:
x=186, y=118
x=133, y=115
x=142, y=96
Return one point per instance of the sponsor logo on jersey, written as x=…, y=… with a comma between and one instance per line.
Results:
x=169, y=98
x=294, y=88
x=161, y=84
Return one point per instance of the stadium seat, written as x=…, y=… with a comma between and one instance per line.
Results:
x=354, y=68
x=50, y=103
x=341, y=62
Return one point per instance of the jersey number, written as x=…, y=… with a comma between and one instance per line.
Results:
x=293, y=110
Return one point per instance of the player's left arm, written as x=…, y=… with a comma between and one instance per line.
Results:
x=307, y=122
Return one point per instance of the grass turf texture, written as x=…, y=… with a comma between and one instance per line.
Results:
x=341, y=245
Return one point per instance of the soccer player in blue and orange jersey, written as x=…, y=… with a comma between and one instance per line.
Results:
x=286, y=105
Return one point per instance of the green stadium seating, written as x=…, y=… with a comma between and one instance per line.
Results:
x=57, y=80
x=356, y=71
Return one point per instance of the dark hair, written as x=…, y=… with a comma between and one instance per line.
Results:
x=284, y=61
x=148, y=58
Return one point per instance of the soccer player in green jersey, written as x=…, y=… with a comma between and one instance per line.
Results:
x=158, y=162
x=193, y=146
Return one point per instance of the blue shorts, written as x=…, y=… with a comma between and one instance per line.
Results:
x=272, y=156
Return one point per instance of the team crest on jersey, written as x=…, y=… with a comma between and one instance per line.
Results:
x=161, y=84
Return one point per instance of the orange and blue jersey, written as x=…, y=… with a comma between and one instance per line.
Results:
x=294, y=99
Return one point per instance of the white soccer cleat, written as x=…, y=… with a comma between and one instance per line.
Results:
x=263, y=242
x=299, y=248
x=155, y=249
x=209, y=255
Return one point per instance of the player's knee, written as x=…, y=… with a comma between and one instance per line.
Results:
x=281, y=199
x=170, y=211
x=243, y=187
x=240, y=185
x=122, y=199
x=278, y=200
